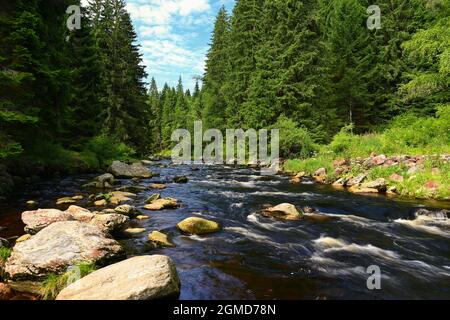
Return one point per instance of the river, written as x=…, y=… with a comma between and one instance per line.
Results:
x=256, y=257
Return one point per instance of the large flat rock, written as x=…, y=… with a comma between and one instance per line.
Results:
x=37, y=220
x=58, y=246
x=137, y=278
x=123, y=170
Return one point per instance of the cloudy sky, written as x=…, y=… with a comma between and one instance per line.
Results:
x=174, y=36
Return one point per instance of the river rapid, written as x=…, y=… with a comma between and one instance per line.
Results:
x=256, y=257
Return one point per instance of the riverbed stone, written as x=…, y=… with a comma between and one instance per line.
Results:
x=100, y=203
x=379, y=184
x=137, y=278
x=117, y=197
x=360, y=189
x=181, y=179
x=157, y=186
x=23, y=238
x=59, y=246
x=127, y=210
x=284, y=211
x=199, y=226
x=80, y=214
x=133, y=231
x=65, y=200
x=37, y=220
x=110, y=223
x=160, y=239
x=160, y=204
x=104, y=181
x=6, y=292
x=123, y=170
x=153, y=198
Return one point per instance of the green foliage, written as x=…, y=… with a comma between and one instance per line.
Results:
x=294, y=141
x=54, y=283
x=5, y=253
x=107, y=149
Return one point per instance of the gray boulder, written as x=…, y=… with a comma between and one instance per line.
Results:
x=136, y=170
x=58, y=246
x=37, y=220
x=137, y=278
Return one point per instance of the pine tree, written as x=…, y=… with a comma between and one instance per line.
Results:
x=243, y=43
x=428, y=52
x=155, y=121
x=215, y=75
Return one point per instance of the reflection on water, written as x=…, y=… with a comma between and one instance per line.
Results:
x=255, y=257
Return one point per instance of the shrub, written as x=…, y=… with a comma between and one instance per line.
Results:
x=294, y=141
x=107, y=149
x=5, y=253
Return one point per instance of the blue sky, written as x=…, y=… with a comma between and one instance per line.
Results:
x=174, y=36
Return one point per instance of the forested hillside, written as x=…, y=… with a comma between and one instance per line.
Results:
x=316, y=63
x=69, y=100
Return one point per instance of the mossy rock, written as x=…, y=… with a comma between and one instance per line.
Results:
x=160, y=239
x=198, y=226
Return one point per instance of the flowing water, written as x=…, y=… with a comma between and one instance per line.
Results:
x=255, y=257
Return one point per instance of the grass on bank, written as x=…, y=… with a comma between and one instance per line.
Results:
x=5, y=253
x=54, y=283
x=405, y=135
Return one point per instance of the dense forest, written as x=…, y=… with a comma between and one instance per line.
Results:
x=74, y=100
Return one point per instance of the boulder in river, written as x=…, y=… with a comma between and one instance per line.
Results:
x=137, y=278
x=180, y=179
x=117, y=197
x=160, y=239
x=127, y=210
x=133, y=231
x=160, y=204
x=67, y=200
x=297, y=178
x=157, y=186
x=104, y=181
x=153, y=197
x=284, y=211
x=199, y=226
x=110, y=223
x=37, y=220
x=58, y=246
x=136, y=170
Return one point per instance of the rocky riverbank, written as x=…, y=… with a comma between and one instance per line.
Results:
x=421, y=177
x=58, y=241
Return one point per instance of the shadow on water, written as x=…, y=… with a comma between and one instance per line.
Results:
x=255, y=257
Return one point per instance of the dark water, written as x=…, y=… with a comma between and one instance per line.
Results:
x=254, y=257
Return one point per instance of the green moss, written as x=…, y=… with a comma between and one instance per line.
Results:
x=5, y=253
x=54, y=283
